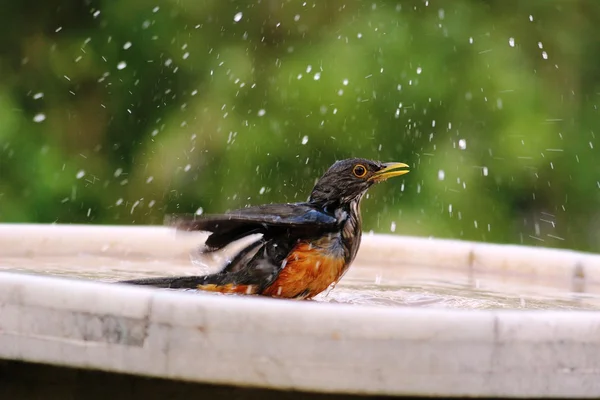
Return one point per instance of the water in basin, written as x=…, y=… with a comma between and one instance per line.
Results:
x=362, y=285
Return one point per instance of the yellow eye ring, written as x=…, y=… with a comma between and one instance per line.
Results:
x=359, y=171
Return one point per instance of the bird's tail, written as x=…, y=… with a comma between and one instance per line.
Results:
x=172, y=282
x=222, y=283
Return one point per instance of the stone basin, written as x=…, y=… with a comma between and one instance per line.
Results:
x=413, y=316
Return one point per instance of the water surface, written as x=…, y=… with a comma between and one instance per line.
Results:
x=370, y=285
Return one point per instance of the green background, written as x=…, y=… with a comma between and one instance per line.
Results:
x=119, y=112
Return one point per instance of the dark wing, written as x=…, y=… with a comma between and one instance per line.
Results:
x=269, y=219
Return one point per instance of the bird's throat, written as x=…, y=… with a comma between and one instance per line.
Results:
x=351, y=228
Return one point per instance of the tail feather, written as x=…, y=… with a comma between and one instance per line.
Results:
x=173, y=282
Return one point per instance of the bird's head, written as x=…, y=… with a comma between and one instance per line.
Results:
x=348, y=180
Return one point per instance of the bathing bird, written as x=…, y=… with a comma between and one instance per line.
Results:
x=303, y=248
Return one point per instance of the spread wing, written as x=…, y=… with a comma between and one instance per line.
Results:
x=269, y=219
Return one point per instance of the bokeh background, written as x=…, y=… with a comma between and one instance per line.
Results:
x=119, y=112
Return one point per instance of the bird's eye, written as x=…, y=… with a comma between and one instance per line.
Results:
x=359, y=171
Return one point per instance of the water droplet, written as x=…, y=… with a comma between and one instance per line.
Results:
x=317, y=76
x=305, y=140
x=261, y=112
x=378, y=279
x=462, y=144
x=118, y=172
x=441, y=175
x=297, y=17
x=262, y=190
x=308, y=68
x=38, y=96
x=121, y=65
x=484, y=170
x=127, y=45
x=200, y=211
x=359, y=35
x=155, y=9
x=119, y=202
x=419, y=70
x=238, y=17
x=393, y=227
x=39, y=117
x=80, y=174
x=137, y=203
x=149, y=179
x=511, y=42
x=345, y=82
x=544, y=55
x=187, y=167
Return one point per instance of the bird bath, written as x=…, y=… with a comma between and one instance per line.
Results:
x=413, y=316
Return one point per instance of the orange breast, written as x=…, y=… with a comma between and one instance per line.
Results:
x=308, y=271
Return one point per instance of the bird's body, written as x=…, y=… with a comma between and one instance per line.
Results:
x=304, y=247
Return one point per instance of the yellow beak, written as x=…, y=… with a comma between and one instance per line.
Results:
x=389, y=171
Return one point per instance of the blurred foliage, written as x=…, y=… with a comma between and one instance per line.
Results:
x=124, y=111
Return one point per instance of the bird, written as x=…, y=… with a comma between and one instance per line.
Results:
x=303, y=248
